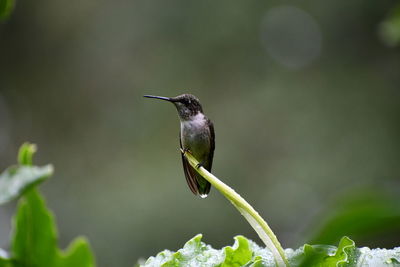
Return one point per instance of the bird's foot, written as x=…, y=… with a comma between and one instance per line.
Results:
x=186, y=150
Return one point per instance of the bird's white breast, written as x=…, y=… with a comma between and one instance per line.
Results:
x=194, y=131
x=195, y=122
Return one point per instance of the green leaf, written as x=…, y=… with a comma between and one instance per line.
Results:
x=77, y=254
x=363, y=215
x=3, y=254
x=16, y=180
x=323, y=255
x=34, y=241
x=239, y=254
x=25, y=154
x=4, y=259
x=379, y=257
x=6, y=7
x=193, y=253
x=246, y=253
x=5, y=263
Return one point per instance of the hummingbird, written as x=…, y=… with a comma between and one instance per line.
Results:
x=196, y=136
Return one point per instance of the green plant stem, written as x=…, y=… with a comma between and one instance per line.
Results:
x=251, y=215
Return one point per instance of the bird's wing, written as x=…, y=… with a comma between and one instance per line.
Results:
x=190, y=173
x=212, y=146
x=209, y=161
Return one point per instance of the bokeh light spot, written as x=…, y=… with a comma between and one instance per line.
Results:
x=291, y=36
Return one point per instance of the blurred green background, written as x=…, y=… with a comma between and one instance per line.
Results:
x=304, y=97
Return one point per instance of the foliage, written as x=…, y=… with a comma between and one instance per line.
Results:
x=34, y=237
x=390, y=28
x=245, y=252
x=16, y=180
x=363, y=214
x=6, y=6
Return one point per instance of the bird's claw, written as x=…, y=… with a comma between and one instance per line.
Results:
x=186, y=150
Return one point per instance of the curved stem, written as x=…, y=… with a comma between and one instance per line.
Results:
x=251, y=215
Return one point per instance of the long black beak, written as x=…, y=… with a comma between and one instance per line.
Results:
x=159, y=97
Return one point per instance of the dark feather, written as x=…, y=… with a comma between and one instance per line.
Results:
x=210, y=156
x=212, y=145
x=190, y=173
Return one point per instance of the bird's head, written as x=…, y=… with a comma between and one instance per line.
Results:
x=187, y=105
